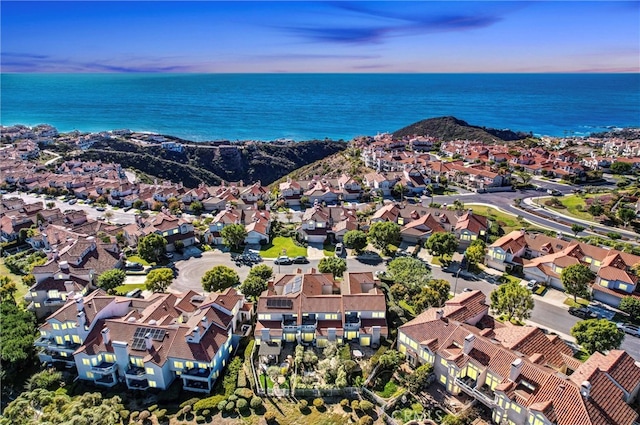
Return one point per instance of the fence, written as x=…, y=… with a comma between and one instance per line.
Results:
x=328, y=392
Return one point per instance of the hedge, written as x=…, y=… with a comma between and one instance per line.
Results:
x=244, y=393
x=208, y=403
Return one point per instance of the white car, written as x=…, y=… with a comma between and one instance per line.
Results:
x=629, y=328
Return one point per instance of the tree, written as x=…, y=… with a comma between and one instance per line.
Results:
x=631, y=306
x=596, y=209
x=219, y=278
x=390, y=360
x=158, y=280
x=110, y=279
x=597, y=335
x=334, y=265
x=620, y=167
x=575, y=279
x=513, y=300
x=576, y=228
x=384, y=233
x=196, y=207
x=108, y=215
x=399, y=190
x=152, y=247
x=434, y=294
x=441, y=244
x=262, y=271
x=355, y=239
x=475, y=252
x=137, y=204
x=627, y=215
x=408, y=271
x=8, y=288
x=233, y=235
x=419, y=378
x=51, y=204
x=253, y=286
x=524, y=176
x=17, y=352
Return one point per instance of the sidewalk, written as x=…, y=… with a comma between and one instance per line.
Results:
x=553, y=297
x=560, y=334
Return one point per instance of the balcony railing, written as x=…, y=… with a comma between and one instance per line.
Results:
x=468, y=386
x=138, y=384
x=53, y=301
x=135, y=372
x=104, y=368
x=197, y=386
x=197, y=373
x=50, y=343
x=106, y=380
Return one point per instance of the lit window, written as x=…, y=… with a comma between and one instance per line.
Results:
x=76, y=339
x=37, y=305
x=34, y=294
x=623, y=287
x=109, y=358
x=56, y=326
x=149, y=371
x=443, y=362
x=443, y=379
x=178, y=365
x=90, y=375
x=516, y=408
x=86, y=362
x=604, y=282
x=189, y=365
x=152, y=384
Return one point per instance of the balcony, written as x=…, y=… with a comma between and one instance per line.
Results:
x=197, y=373
x=104, y=368
x=137, y=384
x=106, y=380
x=483, y=395
x=309, y=321
x=134, y=372
x=51, y=344
x=196, y=386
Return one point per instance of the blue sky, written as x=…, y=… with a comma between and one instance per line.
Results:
x=339, y=36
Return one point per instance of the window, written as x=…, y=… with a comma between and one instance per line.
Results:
x=67, y=338
x=230, y=349
x=109, y=358
x=378, y=315
x=264, y=317
x=492, y=381
x=85, y=362
x=403, y=337
x=516, y=408
x=90, y=375
x=413, y=345
x=153, y=384
x=76, y=339
x=587, y=260
x=56, y=326
x=34, y=294
x=54, y=293
x=37, y=305
x=604, y=282
x=465, y=237
x=43, y=333
x=63, y=326
x=137, y=361
x=623, y=287
x=59, y=340
x=149, y=371
x=189, y=365
x=443, y=379
x=178, y=365
x=597, y=263
x=443, y=362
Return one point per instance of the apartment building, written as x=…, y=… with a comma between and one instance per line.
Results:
x=314, y=309
x=146, y=343
x=523, y=375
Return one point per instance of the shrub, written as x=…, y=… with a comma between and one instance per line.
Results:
x=200, y=419
x=256, y=403
x=221, y=405
x=303, y=405
x=153, y=408
x=270, y=417
x=231, y=377
x=244, y=393
x=318, y=403
x=206, y=412
x=208, y=403
x=365, y=420
x=189, y=402
x=344, y=403
x=144, y=415
x=134, y=416
x=232, y=397
x=242, y=379
x=229, y=407
x=242, y=404
x=355, y=405
x=366, y=406
x=161, y=415
x=124, y=414
x=186, y=410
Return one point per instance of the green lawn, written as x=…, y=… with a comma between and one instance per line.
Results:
x=403, y=304
x=282, y=246
x=329, y=250
x=137, y=259
x=507, y=221
x=581, y=302
x=510, y=279
x=573, y=204
x=22, y=289
x=390, y=388
x=123, y=289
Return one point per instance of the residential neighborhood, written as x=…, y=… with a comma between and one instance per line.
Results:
x=409, y=290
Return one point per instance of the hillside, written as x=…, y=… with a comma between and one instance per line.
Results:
x=451, y=128
x=249, y=162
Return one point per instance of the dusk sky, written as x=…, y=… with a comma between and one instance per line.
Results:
x=457, y=36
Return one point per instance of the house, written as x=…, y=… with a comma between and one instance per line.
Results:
x=146, y=343
x=542, y=258
x=521, y=374
x=290, y=191
x=254, y=193
x=320, y=222
x=257, y=223
x=350, y=188
x=172, y=228
x=322, y=192
x=380, y=182
x=314, y=308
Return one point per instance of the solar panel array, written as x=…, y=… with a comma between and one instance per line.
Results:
x=140, y=333
x=279, y=303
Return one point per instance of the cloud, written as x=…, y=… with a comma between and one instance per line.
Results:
x=362, y=35
x=312, y=56
x=30, y=62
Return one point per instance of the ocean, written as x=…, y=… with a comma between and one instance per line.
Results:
x=203, y=107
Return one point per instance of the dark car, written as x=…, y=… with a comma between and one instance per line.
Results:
x=300, y=259
x=583, y=313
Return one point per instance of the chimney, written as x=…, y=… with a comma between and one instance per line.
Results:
x=585, y=389
x=468, y=343
x=64, y=266
x=439, y=314
x=81, y=319
x=79, y=299
x=265, y=335
x=106, y=335
x=148, y=342
x=205, y=321
x=516, y=367
x=522, y=231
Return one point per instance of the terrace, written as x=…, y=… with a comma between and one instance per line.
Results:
x=482, y=394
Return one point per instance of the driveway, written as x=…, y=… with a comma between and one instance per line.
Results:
x=315, y=252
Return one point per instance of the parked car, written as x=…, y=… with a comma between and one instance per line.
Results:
x=300, y=259
x=136, y=293
x=168, y=255
x=629, y=328
x=582, y=312
x=100, y=209
x=131, y=265
x=283, y=260
x=339, y=249
x=72, y=201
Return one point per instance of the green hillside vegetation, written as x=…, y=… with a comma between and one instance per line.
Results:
x=249, y=162
x=451, y=128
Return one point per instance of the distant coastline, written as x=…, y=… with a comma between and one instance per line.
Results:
x=202, y=107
